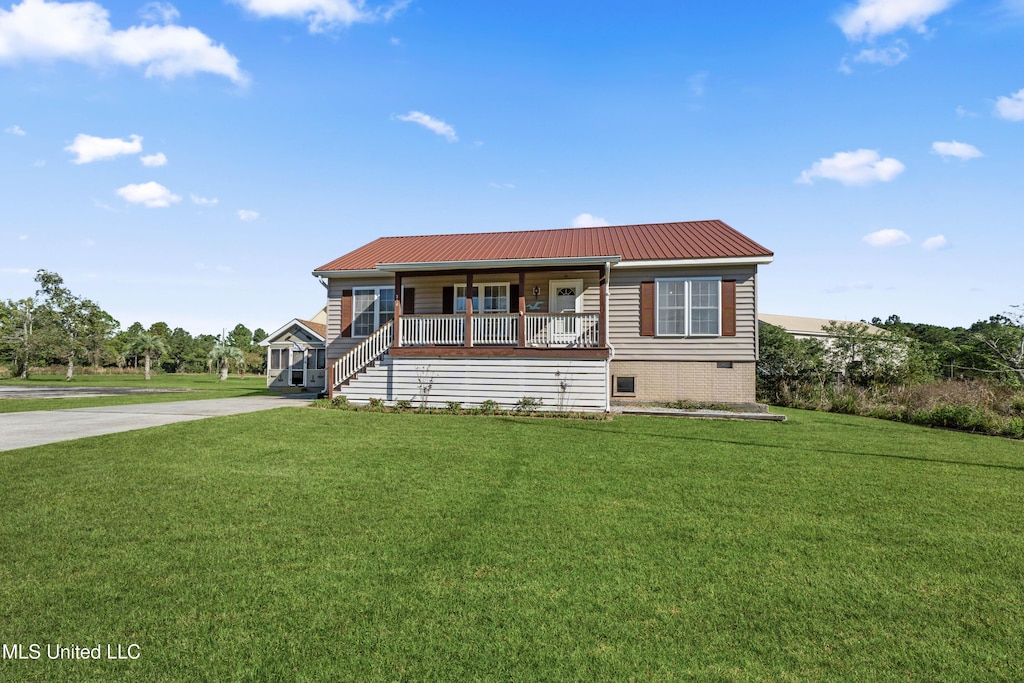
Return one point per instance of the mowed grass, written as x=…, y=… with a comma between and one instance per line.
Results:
x=303, y=544
x=190, y=387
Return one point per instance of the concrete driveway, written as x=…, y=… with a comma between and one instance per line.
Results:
x=20, y=430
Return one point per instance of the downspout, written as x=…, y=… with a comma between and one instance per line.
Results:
x=608, y=336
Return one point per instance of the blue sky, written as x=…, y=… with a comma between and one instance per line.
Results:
x=193, y=162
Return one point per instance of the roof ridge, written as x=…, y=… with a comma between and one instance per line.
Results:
x=583, y=227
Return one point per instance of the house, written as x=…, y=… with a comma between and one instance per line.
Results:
x=810, y=328
x=297, y=355
x=569, y=319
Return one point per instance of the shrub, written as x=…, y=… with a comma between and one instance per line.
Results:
x=489, y=407
x=376, y=403
x=453, y=406
x=404, y=404
x=528, y=403
x=340, y=402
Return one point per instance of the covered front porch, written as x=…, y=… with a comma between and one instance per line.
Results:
x=552, y=313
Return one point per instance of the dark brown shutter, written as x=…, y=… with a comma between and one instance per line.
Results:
x=346, y=313
x=513, y=298
x=728, y=308
x=646, y=309
x=448, y=300
x=408, y=301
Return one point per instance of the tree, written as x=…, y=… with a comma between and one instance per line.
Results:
x=785, y=362
x=223, y=355
x=1000, y=340
x=66, y=319
x=241, y=338
x=258, y=335
x=149, y=345
x=18, y=339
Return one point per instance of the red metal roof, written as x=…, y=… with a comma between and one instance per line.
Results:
x=319, y=328
x=654, y=241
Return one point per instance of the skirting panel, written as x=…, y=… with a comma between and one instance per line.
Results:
x=557, y=384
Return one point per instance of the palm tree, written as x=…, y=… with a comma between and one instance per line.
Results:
x=222, y=355
x=149, y=345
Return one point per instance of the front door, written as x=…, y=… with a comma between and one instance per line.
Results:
x=566, y=296
x=297, y=372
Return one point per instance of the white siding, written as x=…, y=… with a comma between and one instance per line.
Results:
x=624, y=318
x=337, y=345
x=560, y=384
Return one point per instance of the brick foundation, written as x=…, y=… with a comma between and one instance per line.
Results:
x=702, y=382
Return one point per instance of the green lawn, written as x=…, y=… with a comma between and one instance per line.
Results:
x=303, y=544
x=191, y=388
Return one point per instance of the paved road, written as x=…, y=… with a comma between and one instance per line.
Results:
x=20, y=430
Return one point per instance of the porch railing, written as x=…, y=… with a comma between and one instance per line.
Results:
x=367, y=351
x=434, y=330
x=496, y=329
x=573, y=330
x=579, y=330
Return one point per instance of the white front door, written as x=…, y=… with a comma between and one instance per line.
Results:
x=565, y=296
x=297, y=373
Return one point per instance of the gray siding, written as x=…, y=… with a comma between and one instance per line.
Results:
x=624, y=318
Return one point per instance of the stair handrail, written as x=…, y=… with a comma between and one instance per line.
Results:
x=364, y=353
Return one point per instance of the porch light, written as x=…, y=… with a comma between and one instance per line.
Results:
x=536, y=291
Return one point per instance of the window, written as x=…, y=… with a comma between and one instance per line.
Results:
x=316, y=360
x=725, y=365
x=278, y=358
x=625, y=385
x=689, y=307
x=495, y=298
x=371, y=308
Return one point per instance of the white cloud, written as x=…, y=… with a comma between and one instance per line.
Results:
x=503, y=186
x=106, y=207
x=872, y=18
x=204, y=201
x=39, y=163
x=886, y=56
x=395, y=41
x=14, y=130
x=964, y=113
x=889, y=237
x=960, y=150
x=159, y=13
x=16, y=271
x=89, y=148
x=430, y=123
x=152, y=195
x=247, y=216
x=936, y=242
x=81, y=32
x=158, y=159
x=1011, y=108
x=322, y=15
x=586, y=220
x=861, y=167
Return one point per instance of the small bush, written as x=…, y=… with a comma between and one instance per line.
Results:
x=453, y=406
x=340, y=402
x=489, y=407
x=404, y=404
x=527, y=403
x=376, y=403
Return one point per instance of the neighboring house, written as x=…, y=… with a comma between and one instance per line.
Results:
x=810, y=328
x=572, y=318
x=297, y=355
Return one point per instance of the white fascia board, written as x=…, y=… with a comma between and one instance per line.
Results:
x=287, y=326
x=503, y=264
x=724, y=261
x=345, y=273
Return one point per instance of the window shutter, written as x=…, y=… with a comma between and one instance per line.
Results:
x=513, y=298
x=448, y=300
x=728, y=308
x=646, y=309
x=408, y=301
x=346, y=313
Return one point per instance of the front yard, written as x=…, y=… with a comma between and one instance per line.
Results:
x=301, y=544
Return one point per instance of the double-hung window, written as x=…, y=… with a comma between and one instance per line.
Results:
x=688, y=307
x=495, y=298
x=371, y=308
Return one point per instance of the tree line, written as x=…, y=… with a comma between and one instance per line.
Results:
x=56, y=327
x=963, y=377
